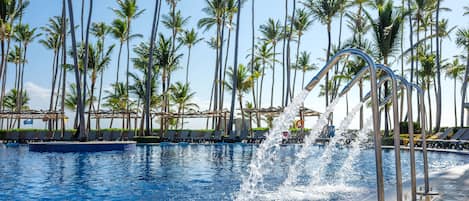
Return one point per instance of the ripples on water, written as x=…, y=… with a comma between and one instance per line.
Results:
x=179, y=172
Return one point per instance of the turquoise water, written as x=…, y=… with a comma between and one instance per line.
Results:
x=175, y=172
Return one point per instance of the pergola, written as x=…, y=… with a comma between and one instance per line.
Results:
x=44, y=115
x=33, y=114
x=195, y=115
x=276, y=111
x=110, y=114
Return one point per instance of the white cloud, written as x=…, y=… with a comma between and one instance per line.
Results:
x=39, y=96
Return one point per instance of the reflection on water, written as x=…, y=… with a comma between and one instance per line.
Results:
x=179, y=172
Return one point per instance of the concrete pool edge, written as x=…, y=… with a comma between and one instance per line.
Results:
x=92, y=146
x=453, y=151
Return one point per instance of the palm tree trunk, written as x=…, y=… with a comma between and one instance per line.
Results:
x=146, y=114
x=455, y=110
x=296, y=63
x=262, y=84
x=187, y=66
x=64, y=57
x=284, y=97
x=77, y=73
x=430, y=120
x=464, y=87
x=128, y=70
x=289, y=96
x=253, y=36
x=240, y=98
x=327, y=60
x=360, y=86
x=119, y=61
x=85, y=64
x=220, y=75
x=386, y=108
x=54, y=78
x=235, y=70
x=438, y=69
x=273, y=78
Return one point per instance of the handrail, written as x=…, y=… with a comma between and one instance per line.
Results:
x=374, y=105
x=421, y=94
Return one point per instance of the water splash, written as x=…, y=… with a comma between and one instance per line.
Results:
x=340, y=136
x=263, y=159
x=309, y=140
x=355, y=150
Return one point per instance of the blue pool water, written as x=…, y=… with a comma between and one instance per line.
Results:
x=174, y=172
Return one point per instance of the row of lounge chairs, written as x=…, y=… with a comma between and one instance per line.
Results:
x=449, y=139
x=66, y=136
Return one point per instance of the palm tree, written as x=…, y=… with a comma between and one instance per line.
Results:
x=119, y=31
x=386, y=36
x=10, y=103
x=168, y=61
x=427, y=74
x=301, y=24
x=80, y=106
x=324, y=11
x=462, y=40
x=128, y=10
x=454, y=70
x=264, y=53
x=182, y=96
x=117, y=99
x=25, y=35
x=52, y=41
x=10, y=100
x=304, y=65
x=271, y=32
x=100, y=30
x=189, y=38
x=215, y=12
x=244, y=81
x=71, y=102
x=150, y=73
x=97, y=64
x=11, y=11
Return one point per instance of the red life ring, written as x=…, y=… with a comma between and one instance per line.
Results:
x=299, y=123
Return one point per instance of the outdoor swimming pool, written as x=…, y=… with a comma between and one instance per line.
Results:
x=178, y=172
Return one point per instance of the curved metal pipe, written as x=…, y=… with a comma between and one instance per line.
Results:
x=397, y=140
x=374, y=105
x=410, y=123
x=423, y=114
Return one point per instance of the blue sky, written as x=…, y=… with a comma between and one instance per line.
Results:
x=38, y=70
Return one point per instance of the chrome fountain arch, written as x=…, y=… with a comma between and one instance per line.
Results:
x=397, y=139
x=371, y=69
x=408, y=87
x=423, y=119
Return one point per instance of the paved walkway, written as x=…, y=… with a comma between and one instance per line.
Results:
x=453, y=184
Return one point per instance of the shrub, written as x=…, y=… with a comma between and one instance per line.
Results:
x=147, y=139
x=404, y=127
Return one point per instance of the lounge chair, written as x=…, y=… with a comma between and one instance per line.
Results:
x=217, y=136
x=445, y=134
x=459, y=133
x=67, y=136
x=170, y=135
x=465, y=136
x=183, y=136
x=12, y=136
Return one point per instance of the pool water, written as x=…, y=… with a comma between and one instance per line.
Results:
x=177, y=172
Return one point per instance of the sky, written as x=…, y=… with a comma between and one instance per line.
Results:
x=38, y=71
